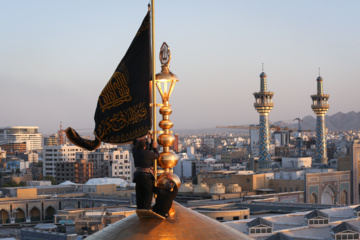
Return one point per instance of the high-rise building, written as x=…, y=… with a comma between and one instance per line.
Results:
x=14, y=148
x=51, y=141
x=320, y=106
x=78, y=172
x=58, y=154
x=110, y=162
x=263, y=105
x=27, y=134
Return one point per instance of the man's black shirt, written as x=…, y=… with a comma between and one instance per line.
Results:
x=144, y=158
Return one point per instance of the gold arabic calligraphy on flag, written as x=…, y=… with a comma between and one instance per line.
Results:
x=122, y=119
x=115, y=93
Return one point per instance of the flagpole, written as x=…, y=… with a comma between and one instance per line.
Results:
x=153, y=79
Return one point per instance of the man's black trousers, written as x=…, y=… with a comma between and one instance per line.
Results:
x=144, y=185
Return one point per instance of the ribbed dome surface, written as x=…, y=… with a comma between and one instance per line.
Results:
x=186, y=224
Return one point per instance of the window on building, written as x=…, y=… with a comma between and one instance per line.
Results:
x=261, y=230
x=236, y=218
x=219, y=218
x=347, y=236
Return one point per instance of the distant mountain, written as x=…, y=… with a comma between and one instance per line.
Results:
x=337, y=122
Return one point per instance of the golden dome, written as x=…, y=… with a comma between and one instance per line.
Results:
x=185, y=224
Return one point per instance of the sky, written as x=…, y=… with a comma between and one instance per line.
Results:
x=57, y=56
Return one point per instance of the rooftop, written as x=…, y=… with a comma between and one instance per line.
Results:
x=294, y=226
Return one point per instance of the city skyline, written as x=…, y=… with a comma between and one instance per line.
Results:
x=56, y=58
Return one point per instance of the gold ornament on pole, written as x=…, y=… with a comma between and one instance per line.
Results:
x=165, y=83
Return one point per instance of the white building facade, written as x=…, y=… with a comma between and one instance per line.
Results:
x=27, y=134
x=110, y=162
x=56, y=154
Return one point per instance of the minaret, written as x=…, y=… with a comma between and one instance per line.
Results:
x=320, y=106
x=263, y=104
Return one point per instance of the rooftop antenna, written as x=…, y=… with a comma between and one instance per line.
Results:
x=319, y=71
x=262, y=66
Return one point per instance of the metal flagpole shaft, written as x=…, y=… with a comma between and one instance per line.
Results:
x=153, y=78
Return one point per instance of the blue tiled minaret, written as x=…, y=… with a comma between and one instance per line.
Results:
x=320, y=106
x=263, y=104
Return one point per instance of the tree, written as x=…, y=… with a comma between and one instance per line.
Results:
x=50, y=178
x=12, y=183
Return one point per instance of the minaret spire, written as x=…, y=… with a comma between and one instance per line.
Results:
x=264, y=104
x=320, y=106
x=263, y=80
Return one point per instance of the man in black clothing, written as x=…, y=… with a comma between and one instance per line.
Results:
x=165, y=197
x=143, y=175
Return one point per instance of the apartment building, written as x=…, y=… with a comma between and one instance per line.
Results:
x=58, y=154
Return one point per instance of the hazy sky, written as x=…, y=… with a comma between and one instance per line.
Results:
x=56, y=57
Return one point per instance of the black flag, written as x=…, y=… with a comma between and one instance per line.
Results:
x=123, y=112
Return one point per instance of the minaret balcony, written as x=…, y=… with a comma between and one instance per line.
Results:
x=263, y=94
x=320, y=109
x=320, y=105
x=264, y=105
x=319, y=97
